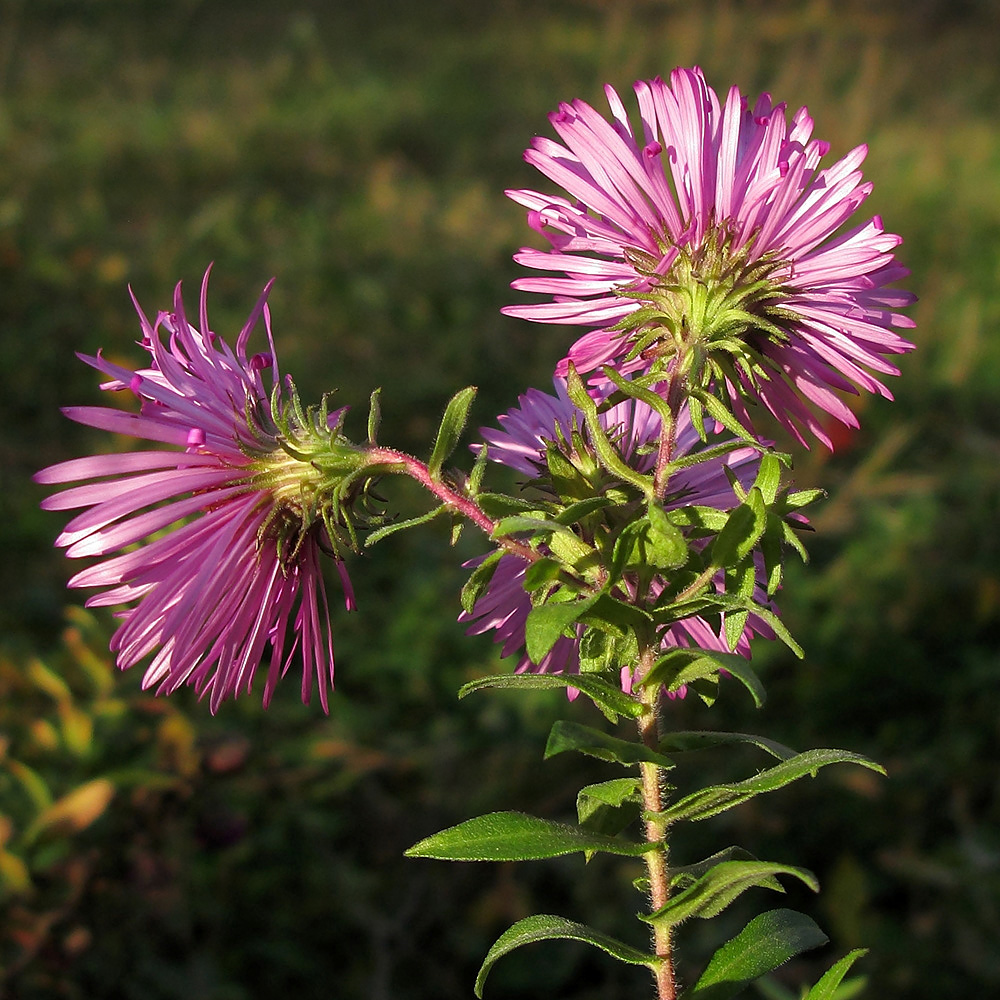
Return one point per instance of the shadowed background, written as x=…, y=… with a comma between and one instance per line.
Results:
x=150, y=851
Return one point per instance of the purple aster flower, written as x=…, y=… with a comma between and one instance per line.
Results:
x=710, y=244
x=526, y=432
x=213, y=547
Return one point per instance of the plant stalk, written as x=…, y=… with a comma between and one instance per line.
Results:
x=656, y=861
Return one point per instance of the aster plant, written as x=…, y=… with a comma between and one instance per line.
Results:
x=713, y=262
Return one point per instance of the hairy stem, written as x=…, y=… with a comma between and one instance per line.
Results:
x=656, y=861
x=400, y=462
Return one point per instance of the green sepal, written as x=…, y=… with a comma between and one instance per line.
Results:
x=700, y=740
x=721, y=886
x=390, y=529
x=711, y=801
x=479, y=581
x=515, y=836
x=767, y=942
x=611, y=700
x=547, y=622
x=452, y=424
x=546, y=927
x=593, y=743
x=610, y=806
x=828, y=988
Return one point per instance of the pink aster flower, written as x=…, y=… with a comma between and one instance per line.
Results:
x=526, y=432
x=212, y=547
x=710, y=242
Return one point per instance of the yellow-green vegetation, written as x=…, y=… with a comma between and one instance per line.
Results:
x=359, y=153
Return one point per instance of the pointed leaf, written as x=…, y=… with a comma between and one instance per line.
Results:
x=514, y=836
x=699, y=740
x=452, y=424
x=722, y=885
x=712, y=801
x=593, y=743
x=828, y=987
x=546, y=623
x=767, y=942
x=545, y=927
x=610, y=806
x=374, y=415
x=606, y=696
x=390, y=529
x=479, y=581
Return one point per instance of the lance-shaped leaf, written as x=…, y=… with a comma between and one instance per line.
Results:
x=609, y=807
x=701, y=739
x=827, y=988
x=712, y=801
x=767, y=942
x=390, y=529
x=547, y=622
x=374, y=415
x=546, y=927
x=452, y=424
x=497, y=505
x=479, y=581
x=721, y=885
x=515, y=836
x=609, y=698
x=593, y=743
x=687, y=666
x=742, y=531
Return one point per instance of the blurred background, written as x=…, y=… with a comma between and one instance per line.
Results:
x=359, y=153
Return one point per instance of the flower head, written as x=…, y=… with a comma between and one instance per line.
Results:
x=212, y=547
x=541, y=420
x=709, y=245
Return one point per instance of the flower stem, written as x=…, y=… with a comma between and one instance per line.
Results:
x=656, y=861
x=399, y=461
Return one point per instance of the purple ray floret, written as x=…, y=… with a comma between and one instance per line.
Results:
x=733, y=196
x=223, y=574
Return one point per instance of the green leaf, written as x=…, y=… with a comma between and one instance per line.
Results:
x=828, y=987
x=610, y=806
x=452, y=424
x=609, y=698
x=514, y=836
x=479, y=580
x=546, y=623
x=606, y=451
x=722, y=885
x=712, y=801
x=667, y=547
x=685, y=875
x=765, y=943
x=769, y=476
x=578, y=511
x=593, y=743
x=518, y=523
x=541, y=572
x=803, y=498
x=374, y=415
x=496, y=505
x=390, y=529
x=743, y=529
x=699, y=740
x=545, y=927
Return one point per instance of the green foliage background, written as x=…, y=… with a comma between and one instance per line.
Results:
x=359, y=152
